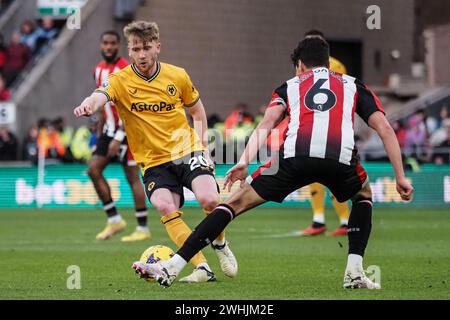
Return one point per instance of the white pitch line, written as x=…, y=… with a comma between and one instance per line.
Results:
x=281, y=235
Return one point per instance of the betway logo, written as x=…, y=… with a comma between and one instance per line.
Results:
x=157, y=107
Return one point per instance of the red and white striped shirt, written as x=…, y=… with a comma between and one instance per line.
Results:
x=101, y=73
x=321, y=105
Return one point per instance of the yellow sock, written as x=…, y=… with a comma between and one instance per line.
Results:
x=221, y=237
x=179, y=231
x=318, y=201
x=342, y=210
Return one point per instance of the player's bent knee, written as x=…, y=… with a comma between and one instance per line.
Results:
x=93, y=172
x=209, y=201
x=164, y=207
x=364, y=193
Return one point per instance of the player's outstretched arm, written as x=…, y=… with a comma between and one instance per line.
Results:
x=259, y=136
x=262, y=131
x=379, y=123
x=91, y=104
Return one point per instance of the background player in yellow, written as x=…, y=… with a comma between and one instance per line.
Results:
x=151, y=98
x=317, y=190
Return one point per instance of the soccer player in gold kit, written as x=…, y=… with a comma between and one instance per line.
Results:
x=151, y=97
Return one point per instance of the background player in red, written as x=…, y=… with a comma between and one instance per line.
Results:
x=112, y=146
x=319, y=146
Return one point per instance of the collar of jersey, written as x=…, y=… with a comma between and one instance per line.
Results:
x=140, y=75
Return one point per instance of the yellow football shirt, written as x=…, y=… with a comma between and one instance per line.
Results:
x=152, y=111
x=337, y=66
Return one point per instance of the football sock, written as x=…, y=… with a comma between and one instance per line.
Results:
x=179, y=231
x=354, y=262
x=342, y=210
x=207, y=231
x=176, y=264
x=318, y=201
x=359, y=226
x=110, y=208
x=319, y=219
x=141, y=217
x=220, y=240
x=143, y=229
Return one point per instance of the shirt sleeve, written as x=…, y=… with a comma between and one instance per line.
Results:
x=367, y=102
x=189, y=94
x=110, y=88
x=279, y=97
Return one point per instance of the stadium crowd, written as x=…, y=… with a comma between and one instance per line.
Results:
x=423, y=139
x=27, y=43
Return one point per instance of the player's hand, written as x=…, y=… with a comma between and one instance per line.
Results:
x=405, y=189
x=83, y=110
x=113, y=148
x=238, y=172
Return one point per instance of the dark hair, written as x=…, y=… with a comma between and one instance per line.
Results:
x=315, y=32
x=2, y=42
x=313, y=52
x=112, y=33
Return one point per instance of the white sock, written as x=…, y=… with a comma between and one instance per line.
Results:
x=219, y=242
x=143, y=229
x=344, y=221
x=319, y=218
x=176, y=264
x=354, y=262
x=115, y=219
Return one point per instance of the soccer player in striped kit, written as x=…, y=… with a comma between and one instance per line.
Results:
x=319, y=146
x=112, y=146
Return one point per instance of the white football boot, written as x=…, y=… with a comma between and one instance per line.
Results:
x=357, y=279
x=157, y=271
x=227, y=260
x=200, y=274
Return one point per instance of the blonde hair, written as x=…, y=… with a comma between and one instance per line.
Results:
x=145, y=30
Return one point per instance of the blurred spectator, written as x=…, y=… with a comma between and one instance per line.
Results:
x=428, y=123
x=80, y=147
x=17, y=57
x=400, y=132
x=213, y=120
x=65, y=134
x=238, y=117
x=28, y=35
x=373, y=147
x=2, y=53
x=238, y=127
x=46, y=32
x=440, y=135
x=415, y=138
x=29, y=149
x=8, y=145
x=443, y=115
x=441, y=153
x=50, y=142
x=4, y=92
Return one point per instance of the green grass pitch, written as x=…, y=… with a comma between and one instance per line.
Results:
x=411, y=247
